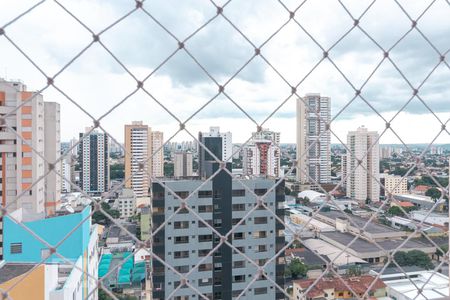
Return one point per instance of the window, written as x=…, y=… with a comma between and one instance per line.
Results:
x=236, y=220
x=217, y=223
x=205, y=267
x=236, y=293
x=261, y=261
x=203, y=252
x=205, y=194
x=260, y=192
x=182, y=269
x=205, y=238
x=239, y=264
x=181, y=254
x=259, y=234
x=261, y=248
x=16, y=248
x=181, y=239
x=201, y=224
x=177, y=283
x=241, y=249
x=239, y=278
x=238, y=193
x=45, y=253
x=238, y=236
x=204, y=282
x=181, y=224
x=238, y=207
x=182, y=194
x=260, y=291
x=260, y=220
x=217, y=266
x=182, y=211
x=205, y=208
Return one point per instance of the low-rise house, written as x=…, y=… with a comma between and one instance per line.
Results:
x=339, y=288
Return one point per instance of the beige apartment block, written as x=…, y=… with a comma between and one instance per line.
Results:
x=21, y=163
x=140, y=144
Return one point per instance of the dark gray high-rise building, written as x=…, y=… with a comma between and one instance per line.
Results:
x=186, y=241
x=219, y=144
x=93, y=160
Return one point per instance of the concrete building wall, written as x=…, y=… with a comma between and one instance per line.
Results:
x=183, y=164
x=158, y=154
x=52, y=152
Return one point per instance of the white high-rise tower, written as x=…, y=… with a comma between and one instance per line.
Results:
x=313, y=139
x=362, y=178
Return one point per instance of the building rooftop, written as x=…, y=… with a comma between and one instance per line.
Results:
x=332, y=253
x=307, y=256
x=116, y=232
x=415, y=197
x=9, y=271
x=434, y=286
x=357, y=284
x=361, y=245
x=360, y=222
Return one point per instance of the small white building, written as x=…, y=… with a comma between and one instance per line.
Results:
x=430, y=218
x=434, y=285
x=126, y=203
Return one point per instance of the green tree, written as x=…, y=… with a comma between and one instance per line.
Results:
x=168, y=169
x=306, y=201
x=296, y=269
x=441, y=252
x=434, y=193
x=395, y=211
x=287, y=191
x=99, y=217
x=400, y=171
x=117, y=171
x=414, y=258
x=354, y=271
x=102, y=295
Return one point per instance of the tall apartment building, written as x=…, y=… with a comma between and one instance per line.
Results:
x=138, y=141
x=313, y=139
x=218, y=143
x=262, y=154
x=52, y=152
x=182, y=164
x=386, y=152
x=21, y=166
x=158, y=154
x=362, y=182
x=185, y=240
x=66, y=172
x=93, y=159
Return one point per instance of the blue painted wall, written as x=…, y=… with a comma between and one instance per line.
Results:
x=51, y=230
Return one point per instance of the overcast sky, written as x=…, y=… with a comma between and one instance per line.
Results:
x=51, y=38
